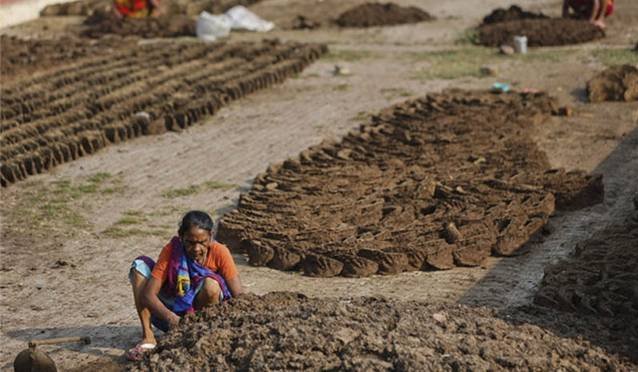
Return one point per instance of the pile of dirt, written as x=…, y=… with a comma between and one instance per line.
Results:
x=434, y=183
x=21, y=56
x=377, y=14
x=539, y=32
x=107, y=23
x=287, y=331
x=168, y=7
x=513, y=13
x=617, y=83
x=76, y=109
x=76, y=8
x=600, y=278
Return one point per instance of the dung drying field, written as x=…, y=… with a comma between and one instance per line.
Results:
x=387, y=205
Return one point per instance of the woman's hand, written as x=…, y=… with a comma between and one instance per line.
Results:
x=173, y=321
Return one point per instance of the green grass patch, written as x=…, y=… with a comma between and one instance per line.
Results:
x=612, y=57
x=131, y=218
x=341, y=87
x=396, y=92
x=467, y=37
x=453, y=64
x=195, y=189
x=467, y=61
x=58, y=205
x=347, y=55
x=121, y=232
x=361, y=116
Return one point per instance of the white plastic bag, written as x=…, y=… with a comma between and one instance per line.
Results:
x=244, y=19
x=210, y=27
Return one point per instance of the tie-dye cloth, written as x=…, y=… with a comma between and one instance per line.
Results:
x=184, y=277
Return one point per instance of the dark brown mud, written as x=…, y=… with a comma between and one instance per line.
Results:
x=513, y=13
x=442, y=181
x=617, y=83
x=601, y=277
x=107, y=23
x=377, y=14
x=287, y=331
x=539, y=32
x=74, y=110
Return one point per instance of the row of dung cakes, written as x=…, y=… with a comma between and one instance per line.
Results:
x=426, y=185
x=51, y=118
x=174, y=7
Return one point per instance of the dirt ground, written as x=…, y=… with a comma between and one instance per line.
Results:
x=68, y=236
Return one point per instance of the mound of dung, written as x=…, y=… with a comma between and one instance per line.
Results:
x=539, y=32
x=287, y=331
x=600, y=278
x=513, y=13
x=76, y=8
x=377, y=14
x=76, y=109
x=105, y=23
x=617, y=83
x=442, y=181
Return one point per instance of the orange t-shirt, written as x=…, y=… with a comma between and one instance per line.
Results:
x=218, y=260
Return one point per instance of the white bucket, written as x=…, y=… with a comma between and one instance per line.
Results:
x=520, y=44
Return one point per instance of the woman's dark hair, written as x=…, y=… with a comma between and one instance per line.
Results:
x=195, y=219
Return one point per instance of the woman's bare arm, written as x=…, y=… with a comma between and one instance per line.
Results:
x=157, y=308
x=234, y=285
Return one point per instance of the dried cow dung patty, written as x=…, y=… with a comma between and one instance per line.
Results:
x=539, y=32
x=287, y=331
x=97, y=99
x=617, y=83
x=377, y=14
x=442, y=181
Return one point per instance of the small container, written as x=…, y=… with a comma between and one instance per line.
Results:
x=520, y=44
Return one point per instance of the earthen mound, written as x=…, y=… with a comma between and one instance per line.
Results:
x=601, y=277
x=77, y=108
x=618, y=83
x=76, y=8
x=446, y=180
x=513, y=13
x=105, y=23
x=539, y=32
x=287, y=331
x=377, y=14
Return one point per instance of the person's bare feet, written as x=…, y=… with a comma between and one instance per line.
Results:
x=599, y=23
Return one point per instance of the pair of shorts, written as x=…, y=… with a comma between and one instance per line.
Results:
x=144, y=265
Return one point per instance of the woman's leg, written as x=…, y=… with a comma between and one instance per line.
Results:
x=138, y=282
x=210, y=294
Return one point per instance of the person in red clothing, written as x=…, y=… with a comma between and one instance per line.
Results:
x=136, y=8
x=193, y=271
x=593, y=10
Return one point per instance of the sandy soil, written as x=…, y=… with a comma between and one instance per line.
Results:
x=62, y=278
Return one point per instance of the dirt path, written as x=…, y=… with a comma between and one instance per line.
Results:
x=68, y=236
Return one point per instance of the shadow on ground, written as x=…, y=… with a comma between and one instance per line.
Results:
x=617, y=334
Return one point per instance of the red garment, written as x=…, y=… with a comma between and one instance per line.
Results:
x=133, y=8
